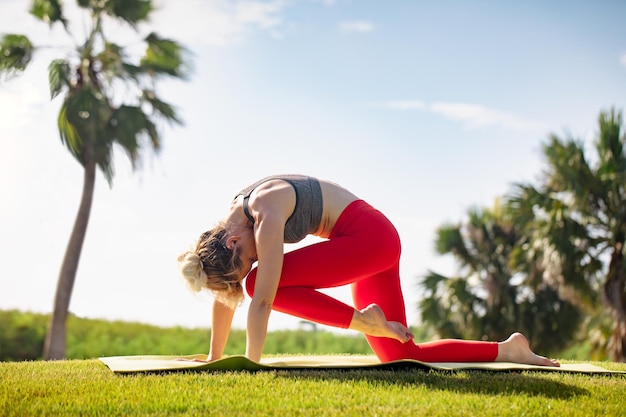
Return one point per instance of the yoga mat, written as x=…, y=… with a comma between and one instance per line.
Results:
x=157, y=363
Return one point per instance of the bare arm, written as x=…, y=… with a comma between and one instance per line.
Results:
x=269, y=238
x=222, y=320
x=271, y=209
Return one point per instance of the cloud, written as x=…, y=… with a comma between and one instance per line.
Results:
x=218, y=22
x=475, y=116
x=265, y=15
x=471, y=116
x=212, y=22
x=622, y=60
x=329, y=2
x=356, y=26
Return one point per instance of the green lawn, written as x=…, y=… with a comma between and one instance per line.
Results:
x=87, y=387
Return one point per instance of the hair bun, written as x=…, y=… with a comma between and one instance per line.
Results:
x=192, y=270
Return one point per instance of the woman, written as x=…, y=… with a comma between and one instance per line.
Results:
x=362, y=248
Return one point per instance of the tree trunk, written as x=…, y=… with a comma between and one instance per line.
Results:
x=614, y=292
x=54, y=347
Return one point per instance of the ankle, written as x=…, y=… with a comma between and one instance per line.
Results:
x=359, y=322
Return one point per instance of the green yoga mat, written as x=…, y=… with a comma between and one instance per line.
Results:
x=154, y=363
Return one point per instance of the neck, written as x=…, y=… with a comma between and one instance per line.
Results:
x=236, y=217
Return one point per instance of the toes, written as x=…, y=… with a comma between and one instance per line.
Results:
x=552, y=362
x=400, y=332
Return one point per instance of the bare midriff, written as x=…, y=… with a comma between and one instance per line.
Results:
x=335, y=199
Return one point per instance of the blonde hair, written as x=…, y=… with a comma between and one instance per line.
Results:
x=211, y=265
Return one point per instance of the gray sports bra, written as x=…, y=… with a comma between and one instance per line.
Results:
x=307, y=214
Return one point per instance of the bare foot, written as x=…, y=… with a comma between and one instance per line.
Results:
x=516, y=349
x=372, y=321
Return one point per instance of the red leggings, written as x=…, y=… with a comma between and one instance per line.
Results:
x=363, y=250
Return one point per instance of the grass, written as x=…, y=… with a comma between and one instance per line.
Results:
x=88, y=388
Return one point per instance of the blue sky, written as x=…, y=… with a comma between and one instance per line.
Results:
x=422, y=108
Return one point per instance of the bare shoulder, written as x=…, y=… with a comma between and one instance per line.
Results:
x=272, y=198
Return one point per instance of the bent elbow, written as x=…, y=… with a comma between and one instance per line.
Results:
x=262, y=306
x=266, y=306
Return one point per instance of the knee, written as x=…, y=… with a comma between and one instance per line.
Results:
x=250, y=280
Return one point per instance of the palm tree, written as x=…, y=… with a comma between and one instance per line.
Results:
x=576, y=220
x=494, y=294
x=107, y=101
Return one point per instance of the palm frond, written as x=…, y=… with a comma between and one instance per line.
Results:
x=48, y=11
x=162, y=108
x=58, y=77
x=612, y=162
x=570, y=172
x=85, y=4
x=133, y=71
x=16, y=52
x=68, y=133
x=129, y=125
x=88, y=110
x=450, y=240
x=104, y=156
x=610, y=144
x=431, y=282
x=163, y=57
x=155, y=139
x=82, y=122
x=111, y=60
x=131, y=11
x=458, y=288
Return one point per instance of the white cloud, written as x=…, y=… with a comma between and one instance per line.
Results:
x=471, y=116
x=265, y=15
x=475, y=116
x=356, y=26
x=622, y=60
x=218, y=22
x=206, y=22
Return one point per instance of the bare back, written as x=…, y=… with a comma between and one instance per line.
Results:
x=336, y=199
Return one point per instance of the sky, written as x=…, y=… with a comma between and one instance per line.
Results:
x=425, y=109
